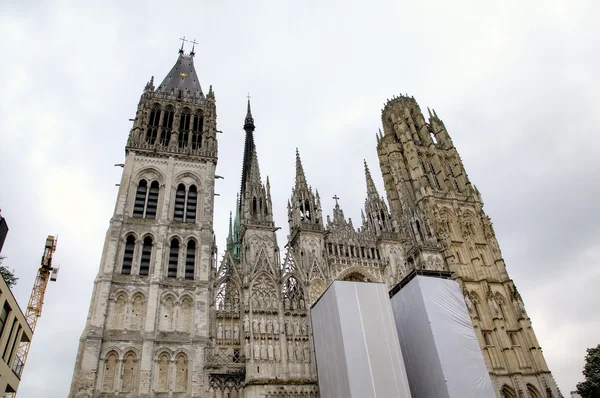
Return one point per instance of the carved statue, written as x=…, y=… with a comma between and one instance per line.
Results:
x=263, y=351
x=247, y=350
x=236, y=332
x=255, y=326
x=270, y=351
x=296, y=328
x=304, y=329
x=227, y=332
x=468, y=301
x=220, y=332
x=275, y=326
x=290, y=349
x=262, y=326
x=269, y=326
x=299, y=353
x=306, y=353
x=256, y=350
x=277, y=351
x=246, y=324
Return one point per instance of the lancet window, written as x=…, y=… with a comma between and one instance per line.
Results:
x=227, y=298
x=137, y=312
x=453, y=178
x=186, y=204
x=190, y=260
x=184, y=128
x=146, y=200
x=162, y=383
x=128, y=255
x=173, y=258
x=167, y=125
x=146, y=256
x=129, y=372
x=181, y=373
x=153, y=123
x=110, y=370
x=197, y=130
x=264, y=297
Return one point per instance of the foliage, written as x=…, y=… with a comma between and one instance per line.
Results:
x=590, y=388
x=8, y=275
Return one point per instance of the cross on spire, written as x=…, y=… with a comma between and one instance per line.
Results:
x=336, y=198
x=183, y=40
x=194, y=42
x=248, y=96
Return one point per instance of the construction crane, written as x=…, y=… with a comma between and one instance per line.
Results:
x=34, y=309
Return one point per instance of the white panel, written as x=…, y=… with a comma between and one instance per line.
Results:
x=441, y=352
x=356, y=343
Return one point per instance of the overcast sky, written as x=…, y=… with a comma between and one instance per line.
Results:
x=515, y=81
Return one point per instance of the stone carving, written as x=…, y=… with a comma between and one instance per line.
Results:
x=246, y=324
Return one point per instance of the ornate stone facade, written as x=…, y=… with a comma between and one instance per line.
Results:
x=169, y=319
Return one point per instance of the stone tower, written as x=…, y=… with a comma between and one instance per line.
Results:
x=441, y=213
x=148, y=322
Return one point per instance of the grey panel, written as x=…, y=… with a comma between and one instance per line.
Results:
x=356, y=343
x=441, y=352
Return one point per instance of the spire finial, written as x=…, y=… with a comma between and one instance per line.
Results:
x=336, y=198
x=194, y=42
x=300, y=177
x=371, y=190
x=249, y=122
x=183, y=40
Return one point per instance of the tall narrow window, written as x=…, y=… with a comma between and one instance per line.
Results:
x=425, y=173
x=140, y=199
x=163, y=373
x=128, y=255
x=153, y=122
x=167, y=125
x=128, y=372
x=179, y=203
x=434, y=176
x=3, y=317
x=192, y=203
x=173, y=258
x=453, y=177
x=197, y=130
x=152, y=200
x=146, y=255
x=184, y=128
x=307, y=209
x=181, y=373
x=110, y=369
x=190, y=260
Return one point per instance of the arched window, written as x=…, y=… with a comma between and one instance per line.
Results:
x=533, y=392
x=167, y=313
x=192, y=203
x=179, y=203
x=434, y=176
x=118, y=313
x=184, y=128
x=140, y=199
x=190, y=260
x=146, y=255
x=152, y=203
x=137, y=313
x=185, y=315
x=508, y=392
x=307, y=209
x=110, y=369
x=419, y=231
x=254, y=205
x=128, y=372
x=162, y=384
x=167, y=125
x=453, y=178
x=128, y=255
x=197, y=130
x=153, y=122
x=173, y=258
x=181, y=373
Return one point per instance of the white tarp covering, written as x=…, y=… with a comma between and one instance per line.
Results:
x=356, y=343
x=441, y=352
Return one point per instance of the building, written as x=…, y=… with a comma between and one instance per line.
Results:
x=14, y=329
x=168, y=318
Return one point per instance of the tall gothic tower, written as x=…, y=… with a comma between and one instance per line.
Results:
x=148, y=322
x=432, y=198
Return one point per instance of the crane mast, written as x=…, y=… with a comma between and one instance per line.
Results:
x=45, y=273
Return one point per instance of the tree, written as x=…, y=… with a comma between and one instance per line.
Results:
x=8, y=275
x=590, y=388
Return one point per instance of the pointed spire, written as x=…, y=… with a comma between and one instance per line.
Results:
x=249, y=121
x=300, y=177
x=371, y=190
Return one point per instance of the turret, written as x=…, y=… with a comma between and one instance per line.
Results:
x=304, y=207
x=376, y=217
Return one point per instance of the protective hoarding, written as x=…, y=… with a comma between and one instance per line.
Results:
x=356, y=343
x=442, y=356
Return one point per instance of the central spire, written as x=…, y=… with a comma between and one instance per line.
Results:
x=249, y=122
x=249, y=148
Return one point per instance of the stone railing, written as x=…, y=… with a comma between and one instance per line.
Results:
x=216, y=356
x=142, y=144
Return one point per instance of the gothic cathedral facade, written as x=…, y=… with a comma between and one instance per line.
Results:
x=168, y=318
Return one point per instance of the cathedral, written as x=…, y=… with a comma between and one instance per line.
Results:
x=168, y=318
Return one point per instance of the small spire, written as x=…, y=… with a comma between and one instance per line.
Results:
x=300, y=177
x=183, y=40
x=194, y=42
x=249, y=121
x=371, y=190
